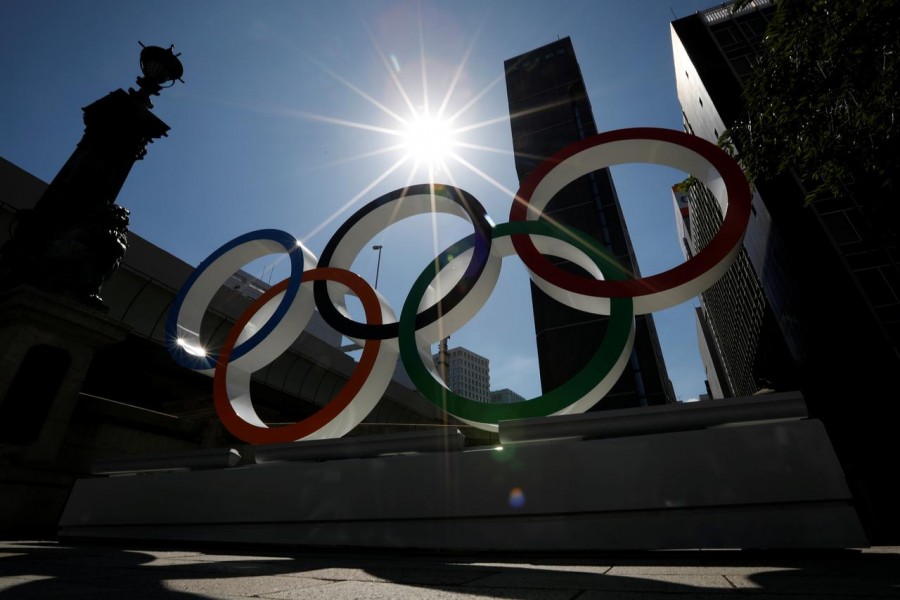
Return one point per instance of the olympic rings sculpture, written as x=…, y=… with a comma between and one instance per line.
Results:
x=274, y=320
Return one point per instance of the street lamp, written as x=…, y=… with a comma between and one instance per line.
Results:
x=160, y=68
x=377, y=247
x=354, y=345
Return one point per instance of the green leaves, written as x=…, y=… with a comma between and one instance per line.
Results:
x=825, y=100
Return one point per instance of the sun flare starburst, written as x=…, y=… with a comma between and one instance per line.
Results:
x=428, y=140
x=427, y=135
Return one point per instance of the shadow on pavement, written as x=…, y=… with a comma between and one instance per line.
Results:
x=142, y=570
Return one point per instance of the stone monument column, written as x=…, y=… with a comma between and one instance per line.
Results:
x=52, y=317
x=73, y=240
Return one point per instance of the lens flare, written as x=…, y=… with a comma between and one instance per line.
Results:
x=516, y=498
x=190, y=348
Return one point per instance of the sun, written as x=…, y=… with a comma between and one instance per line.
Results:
x=428, y=141
x=427, y=135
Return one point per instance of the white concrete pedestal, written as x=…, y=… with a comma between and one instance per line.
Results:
x=766, y=485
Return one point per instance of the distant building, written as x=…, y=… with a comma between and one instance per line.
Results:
x=505, y=396
x=468, y=374
x=549, y=109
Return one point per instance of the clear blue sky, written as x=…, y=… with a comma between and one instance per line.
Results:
x=279, y=125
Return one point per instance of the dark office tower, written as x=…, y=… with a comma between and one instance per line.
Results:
x=828, y=271
x=549, y=109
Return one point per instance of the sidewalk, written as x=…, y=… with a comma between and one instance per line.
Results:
x=50, y=569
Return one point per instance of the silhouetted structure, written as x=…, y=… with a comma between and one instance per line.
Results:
x=76, y=236
x=831, y=279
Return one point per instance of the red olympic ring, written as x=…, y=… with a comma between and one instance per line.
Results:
x=254, y=434
x=669, y=287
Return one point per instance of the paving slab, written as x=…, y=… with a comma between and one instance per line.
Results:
x=360, y=589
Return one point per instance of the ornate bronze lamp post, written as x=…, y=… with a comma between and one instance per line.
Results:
x=74, y=238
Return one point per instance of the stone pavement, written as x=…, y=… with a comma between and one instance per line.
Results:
x=65, y=569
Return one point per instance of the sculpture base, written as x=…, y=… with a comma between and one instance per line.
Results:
x=770, y=485
x=47, y=344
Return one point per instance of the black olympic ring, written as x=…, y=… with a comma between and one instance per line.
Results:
x=471, y=207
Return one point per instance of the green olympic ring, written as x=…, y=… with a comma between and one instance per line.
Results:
x=583, y=390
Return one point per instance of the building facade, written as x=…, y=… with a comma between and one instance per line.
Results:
x=745, y=352
x=549, y=109
x=831, y=282
x=505, y=396
x=468, y=374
